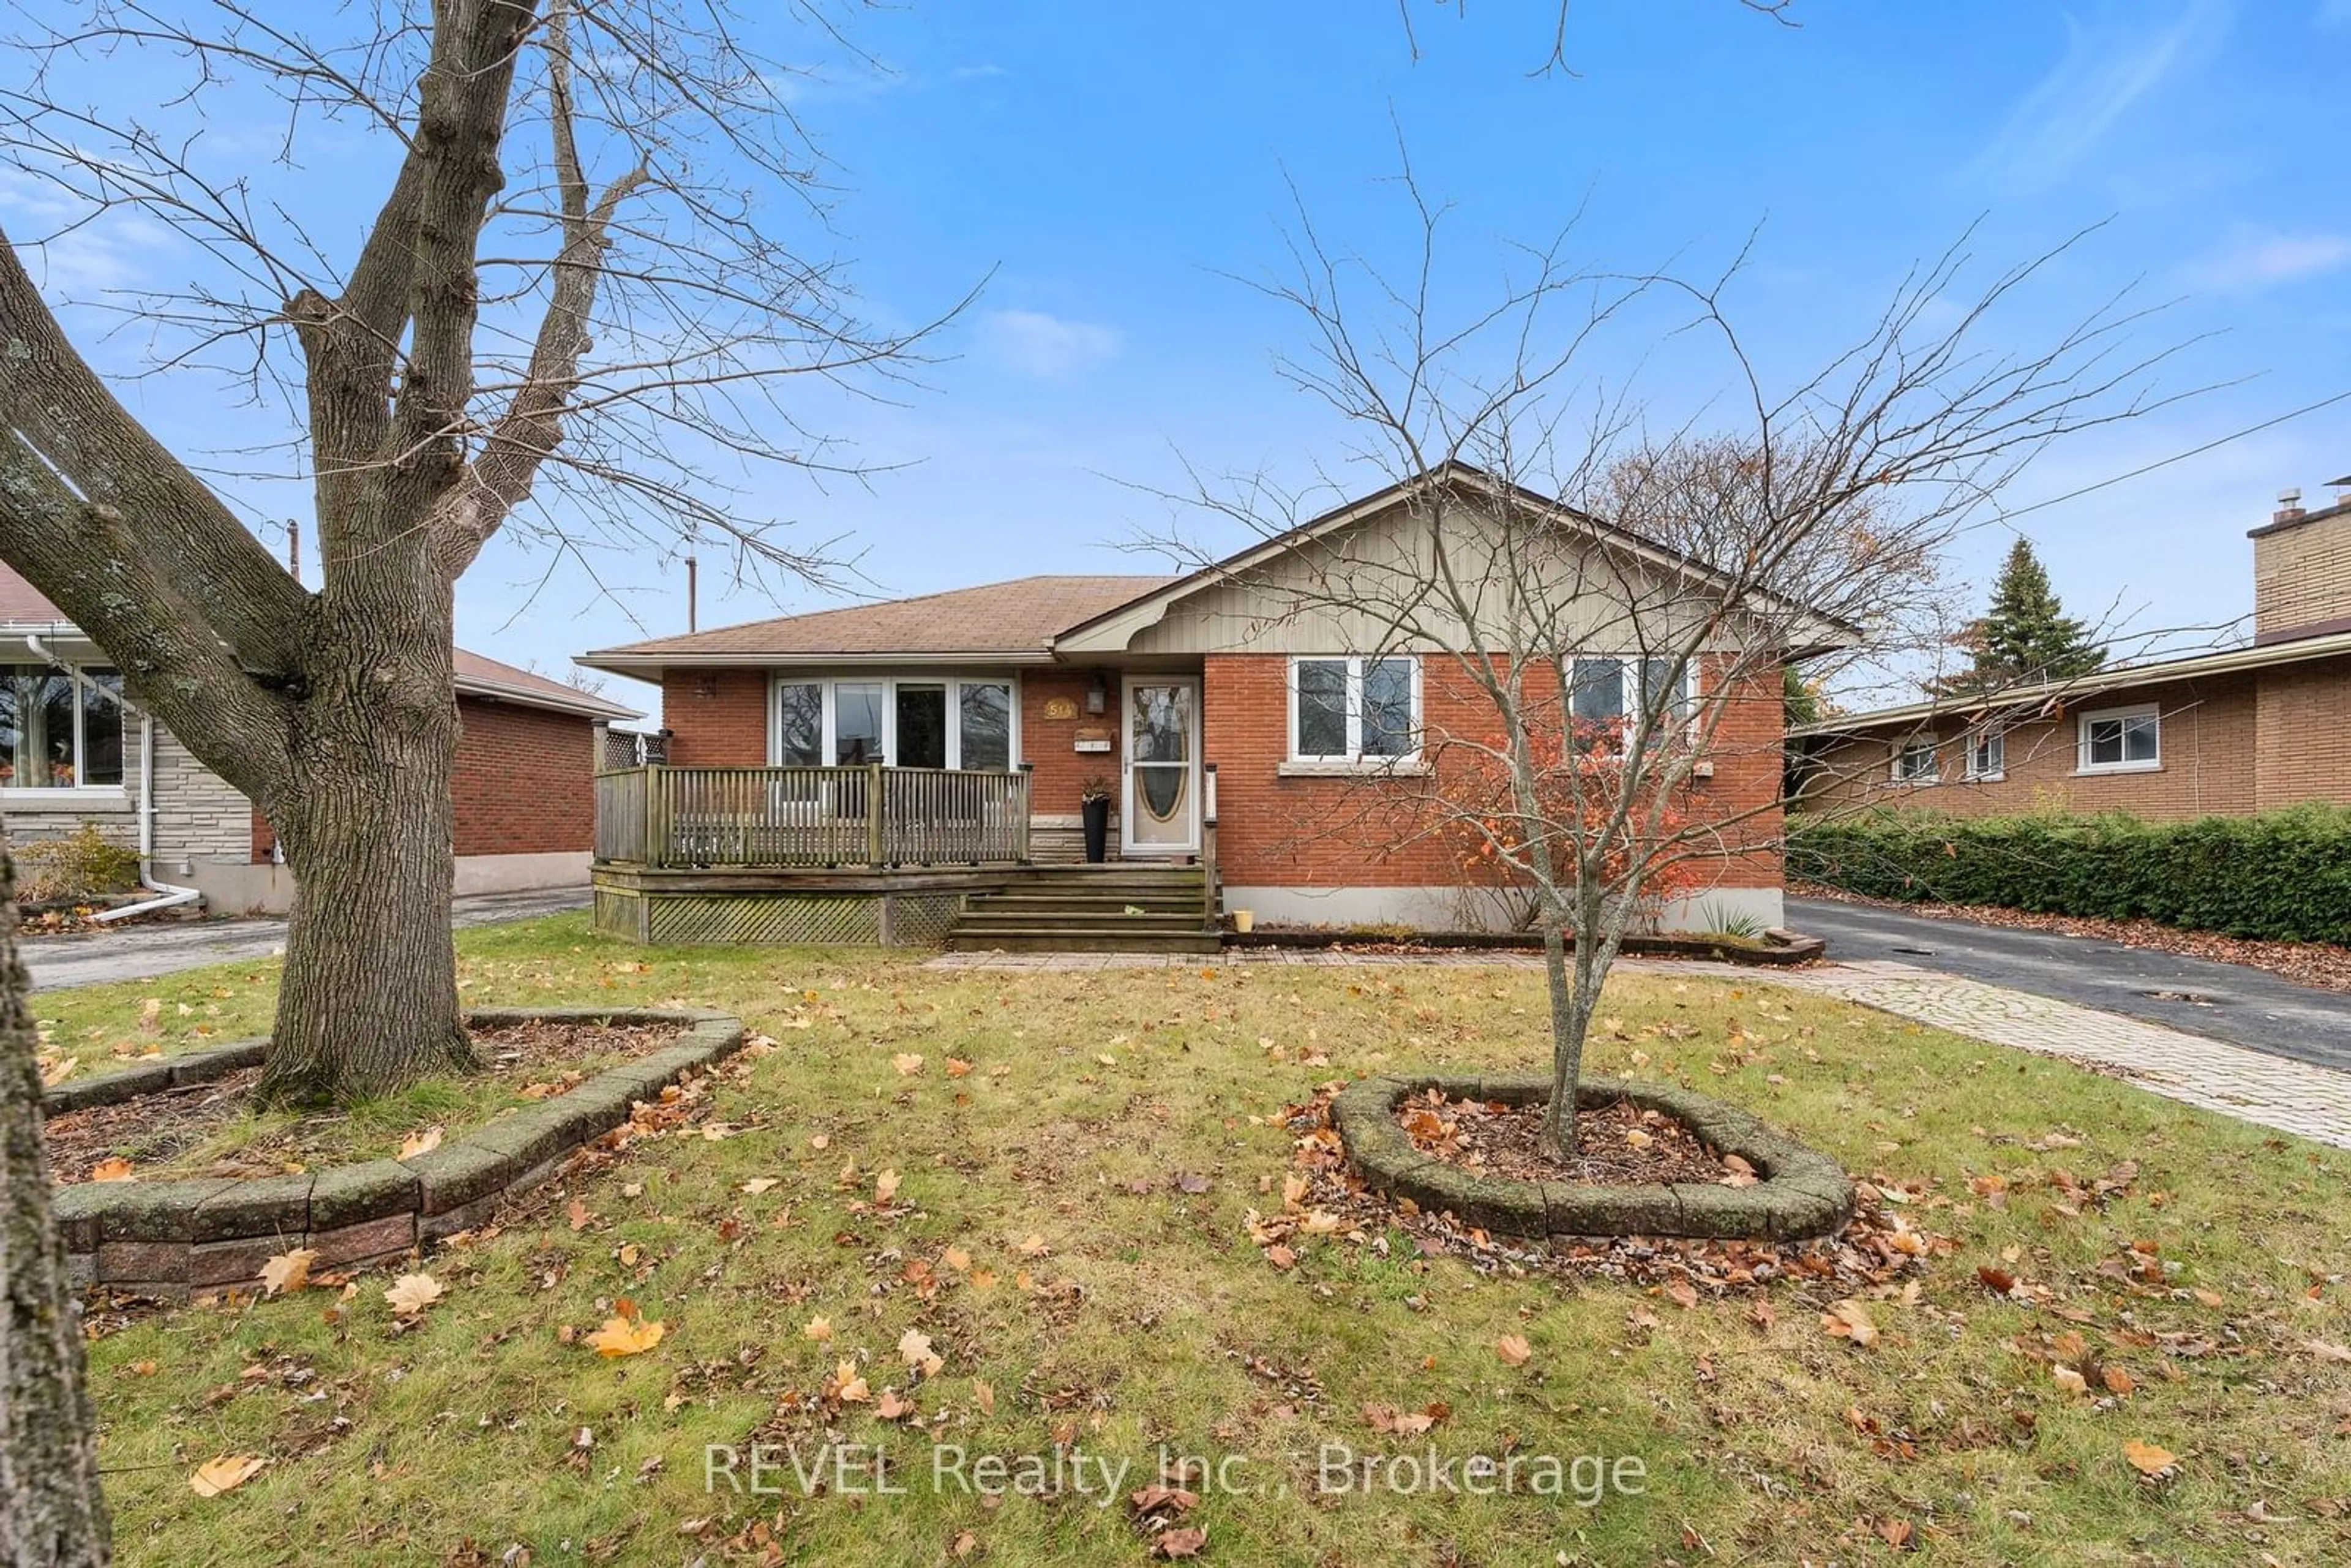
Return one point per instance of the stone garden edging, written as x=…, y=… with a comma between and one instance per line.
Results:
x=1802, y=1193
x=169, y=1237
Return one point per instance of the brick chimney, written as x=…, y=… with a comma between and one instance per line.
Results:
x=2302, y=568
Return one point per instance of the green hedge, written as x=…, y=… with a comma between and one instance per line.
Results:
x=2283, y=875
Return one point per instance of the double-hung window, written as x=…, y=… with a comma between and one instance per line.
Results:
x=918, y=721
x=1354, y=710
x=1915, y=762
x=1611, y=691
x=2120, y=740
x=1987, y=756
x=60, y=729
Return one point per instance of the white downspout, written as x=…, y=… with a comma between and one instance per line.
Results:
x=172, y=895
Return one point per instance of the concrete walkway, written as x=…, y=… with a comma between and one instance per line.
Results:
x=163, y=947
x=2254, y=1086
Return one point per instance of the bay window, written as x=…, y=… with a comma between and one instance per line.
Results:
x=918, y=722
x=60, y=729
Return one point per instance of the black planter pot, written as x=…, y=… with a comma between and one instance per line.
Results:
x=1097, y=817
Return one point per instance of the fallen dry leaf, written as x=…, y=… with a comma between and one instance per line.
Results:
x=1848, y=1319
x=758, y=1185
x=819, y=1329
x=411, y=1293
x=626, y=1334
x=116, y=1169
x=849, y=1387
x=908, y=1063
x=1514, y=1350
x=226, y=1472
x=983, y=1394
x=423, y=1142
x=287, y=1271
x=1187, y=1541
x=916, y=1346
x=2149, y=1460
x=885, y=1187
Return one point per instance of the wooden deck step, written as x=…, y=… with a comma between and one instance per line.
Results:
x=1121, y=907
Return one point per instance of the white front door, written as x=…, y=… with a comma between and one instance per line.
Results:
x=1161, y=813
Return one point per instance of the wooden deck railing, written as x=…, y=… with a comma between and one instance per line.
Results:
x=870, y=816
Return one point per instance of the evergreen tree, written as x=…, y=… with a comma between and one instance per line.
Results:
x=2024, y=634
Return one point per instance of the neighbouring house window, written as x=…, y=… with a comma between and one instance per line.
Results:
x=59, y=728
x=2121, y=740
x=1913, y=763
x=1987, y=755
x=1351, y=709
x=799, y=724
x=927, y=722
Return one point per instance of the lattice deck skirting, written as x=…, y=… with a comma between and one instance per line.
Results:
x=771, y=919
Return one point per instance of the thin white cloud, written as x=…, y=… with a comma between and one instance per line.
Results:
x=2110, y=64
x=1034, y=344
x=2257, y=258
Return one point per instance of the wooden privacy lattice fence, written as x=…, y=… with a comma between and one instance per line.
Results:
x=870, y=816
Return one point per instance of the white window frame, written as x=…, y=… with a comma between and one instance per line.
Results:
x=1977, y=742
x=59, y=797
x=1353, y=760
x=889, y=682
x=1688, y=697
x=1933, y=747
x=2082, y=763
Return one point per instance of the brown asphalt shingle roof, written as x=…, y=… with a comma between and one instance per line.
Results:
x=1014, y=617
x=22, y=604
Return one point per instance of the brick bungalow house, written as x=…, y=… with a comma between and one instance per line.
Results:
x=1190, y=699
x=2243, y=730
x=74, y=749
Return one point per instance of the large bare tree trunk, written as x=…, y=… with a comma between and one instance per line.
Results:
x=51, y=1515
x=369, y=996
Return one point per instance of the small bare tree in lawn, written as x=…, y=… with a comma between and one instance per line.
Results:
x=578, y=307
x=1599, y=616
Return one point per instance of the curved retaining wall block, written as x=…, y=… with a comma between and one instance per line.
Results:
x=169, y=1237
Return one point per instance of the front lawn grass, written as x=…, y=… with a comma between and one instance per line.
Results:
x=1104, y=1306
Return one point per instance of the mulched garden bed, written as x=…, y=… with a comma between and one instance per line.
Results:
x=1622, y=1145
x=1878, y=1252
x=162, y=1134
x=2320, y=964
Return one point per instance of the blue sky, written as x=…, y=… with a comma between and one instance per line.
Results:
x=1112, y=164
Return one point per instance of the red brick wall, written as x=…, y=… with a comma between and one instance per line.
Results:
x=523, y=785
x=718, y=718
x=2209, y=749
x=524, y=782
x=1341, y=833
x=1051, y=743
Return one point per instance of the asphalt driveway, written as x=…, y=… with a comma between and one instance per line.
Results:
x=2229, y=1002
x=143, y=952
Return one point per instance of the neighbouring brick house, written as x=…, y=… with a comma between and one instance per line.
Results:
x=1188, y=697
x=2243, y=730
x=74, y=749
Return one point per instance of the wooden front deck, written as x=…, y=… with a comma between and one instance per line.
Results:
x=860, y=856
